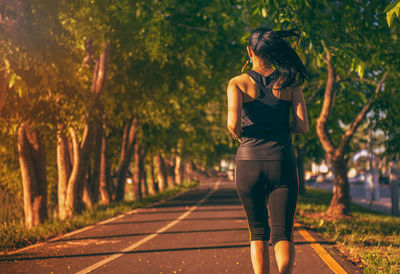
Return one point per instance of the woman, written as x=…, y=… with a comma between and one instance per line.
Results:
x=259, y=104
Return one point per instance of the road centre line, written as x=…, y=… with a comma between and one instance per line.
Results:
x=149, y=237
x=322, y=253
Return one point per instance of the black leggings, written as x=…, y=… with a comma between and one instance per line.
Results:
x=272, y=183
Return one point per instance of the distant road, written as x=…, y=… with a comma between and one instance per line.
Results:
x=200, y=231
x=357, y=193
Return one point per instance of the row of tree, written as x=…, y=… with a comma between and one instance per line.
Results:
x=89, y=88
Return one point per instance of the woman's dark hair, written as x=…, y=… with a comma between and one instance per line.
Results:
x=274, y=51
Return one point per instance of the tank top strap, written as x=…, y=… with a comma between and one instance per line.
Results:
x=263, y=81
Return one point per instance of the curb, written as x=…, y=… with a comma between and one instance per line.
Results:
x=332, y=249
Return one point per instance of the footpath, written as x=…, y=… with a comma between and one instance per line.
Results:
x=201, y=231
x=358, y=196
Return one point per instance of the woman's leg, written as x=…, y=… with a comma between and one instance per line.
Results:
x=260, y=256
x=251, y=186
x=282, y=205
x=284, y=255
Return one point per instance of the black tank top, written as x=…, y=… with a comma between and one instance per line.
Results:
x=265, y=124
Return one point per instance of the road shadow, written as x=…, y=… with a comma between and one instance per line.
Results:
x=145, y=234
x=29, y=257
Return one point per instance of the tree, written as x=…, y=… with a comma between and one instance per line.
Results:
x=351, y=59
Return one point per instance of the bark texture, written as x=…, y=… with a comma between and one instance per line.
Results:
x=143, y=175
x=153, y=182
x=161, y=172
x=104, y=174
x=340, y=203
x=188, y=171
x=32, y=161
x=3, y=89
x=127, y=150
x=137, y=174
x=170, y=172
x=178, y=170
x=394, y=194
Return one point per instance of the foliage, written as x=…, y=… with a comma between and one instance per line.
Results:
x=168, y=64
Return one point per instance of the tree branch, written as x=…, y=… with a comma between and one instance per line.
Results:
x=356, y=79
x=327, y=106
x=360, y=117
x=3, y=89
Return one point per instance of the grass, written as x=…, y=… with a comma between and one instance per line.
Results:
x=368, y=238
x=15, y=235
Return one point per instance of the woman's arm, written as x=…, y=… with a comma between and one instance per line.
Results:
x=234, y=108
x=299, y=108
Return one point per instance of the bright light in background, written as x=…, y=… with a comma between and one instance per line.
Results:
x=323, y=168
x=129, y=181
x=224, y=164
x=352, y=173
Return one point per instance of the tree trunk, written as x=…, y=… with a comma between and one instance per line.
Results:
x=153, y=184
x=188, y=170
x=63, y=170
x=300, y=170
x=136, y=178
x=127, y=149
x=87, y=195
x=169, y=170
x=161, y=176
x=97, y=146
x=33, y=170
x=143, y=176
x=81, y=151
x=144, y=184
x=340, y=203
x=3, y=89
x=394, y=188
x=178, y=170
x=104, y=177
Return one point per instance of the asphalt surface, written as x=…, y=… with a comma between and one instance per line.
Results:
x=201, y=231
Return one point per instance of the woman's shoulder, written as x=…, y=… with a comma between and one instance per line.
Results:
x=240, y=80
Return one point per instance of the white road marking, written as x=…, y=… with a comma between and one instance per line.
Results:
x=54, y=239
x=150, y=237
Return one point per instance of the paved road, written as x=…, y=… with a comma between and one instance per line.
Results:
x=201, y=231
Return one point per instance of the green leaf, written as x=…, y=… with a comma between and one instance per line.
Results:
x=264, y=12
x=19, y=91
x=361, y=70
x=11, y=82
x=391, y=10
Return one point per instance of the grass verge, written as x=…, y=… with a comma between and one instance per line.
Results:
x=15, y=235
x=368, y=238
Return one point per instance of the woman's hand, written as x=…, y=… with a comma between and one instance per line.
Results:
x=300, y=125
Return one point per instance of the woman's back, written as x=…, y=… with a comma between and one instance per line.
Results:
x=265, y=123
